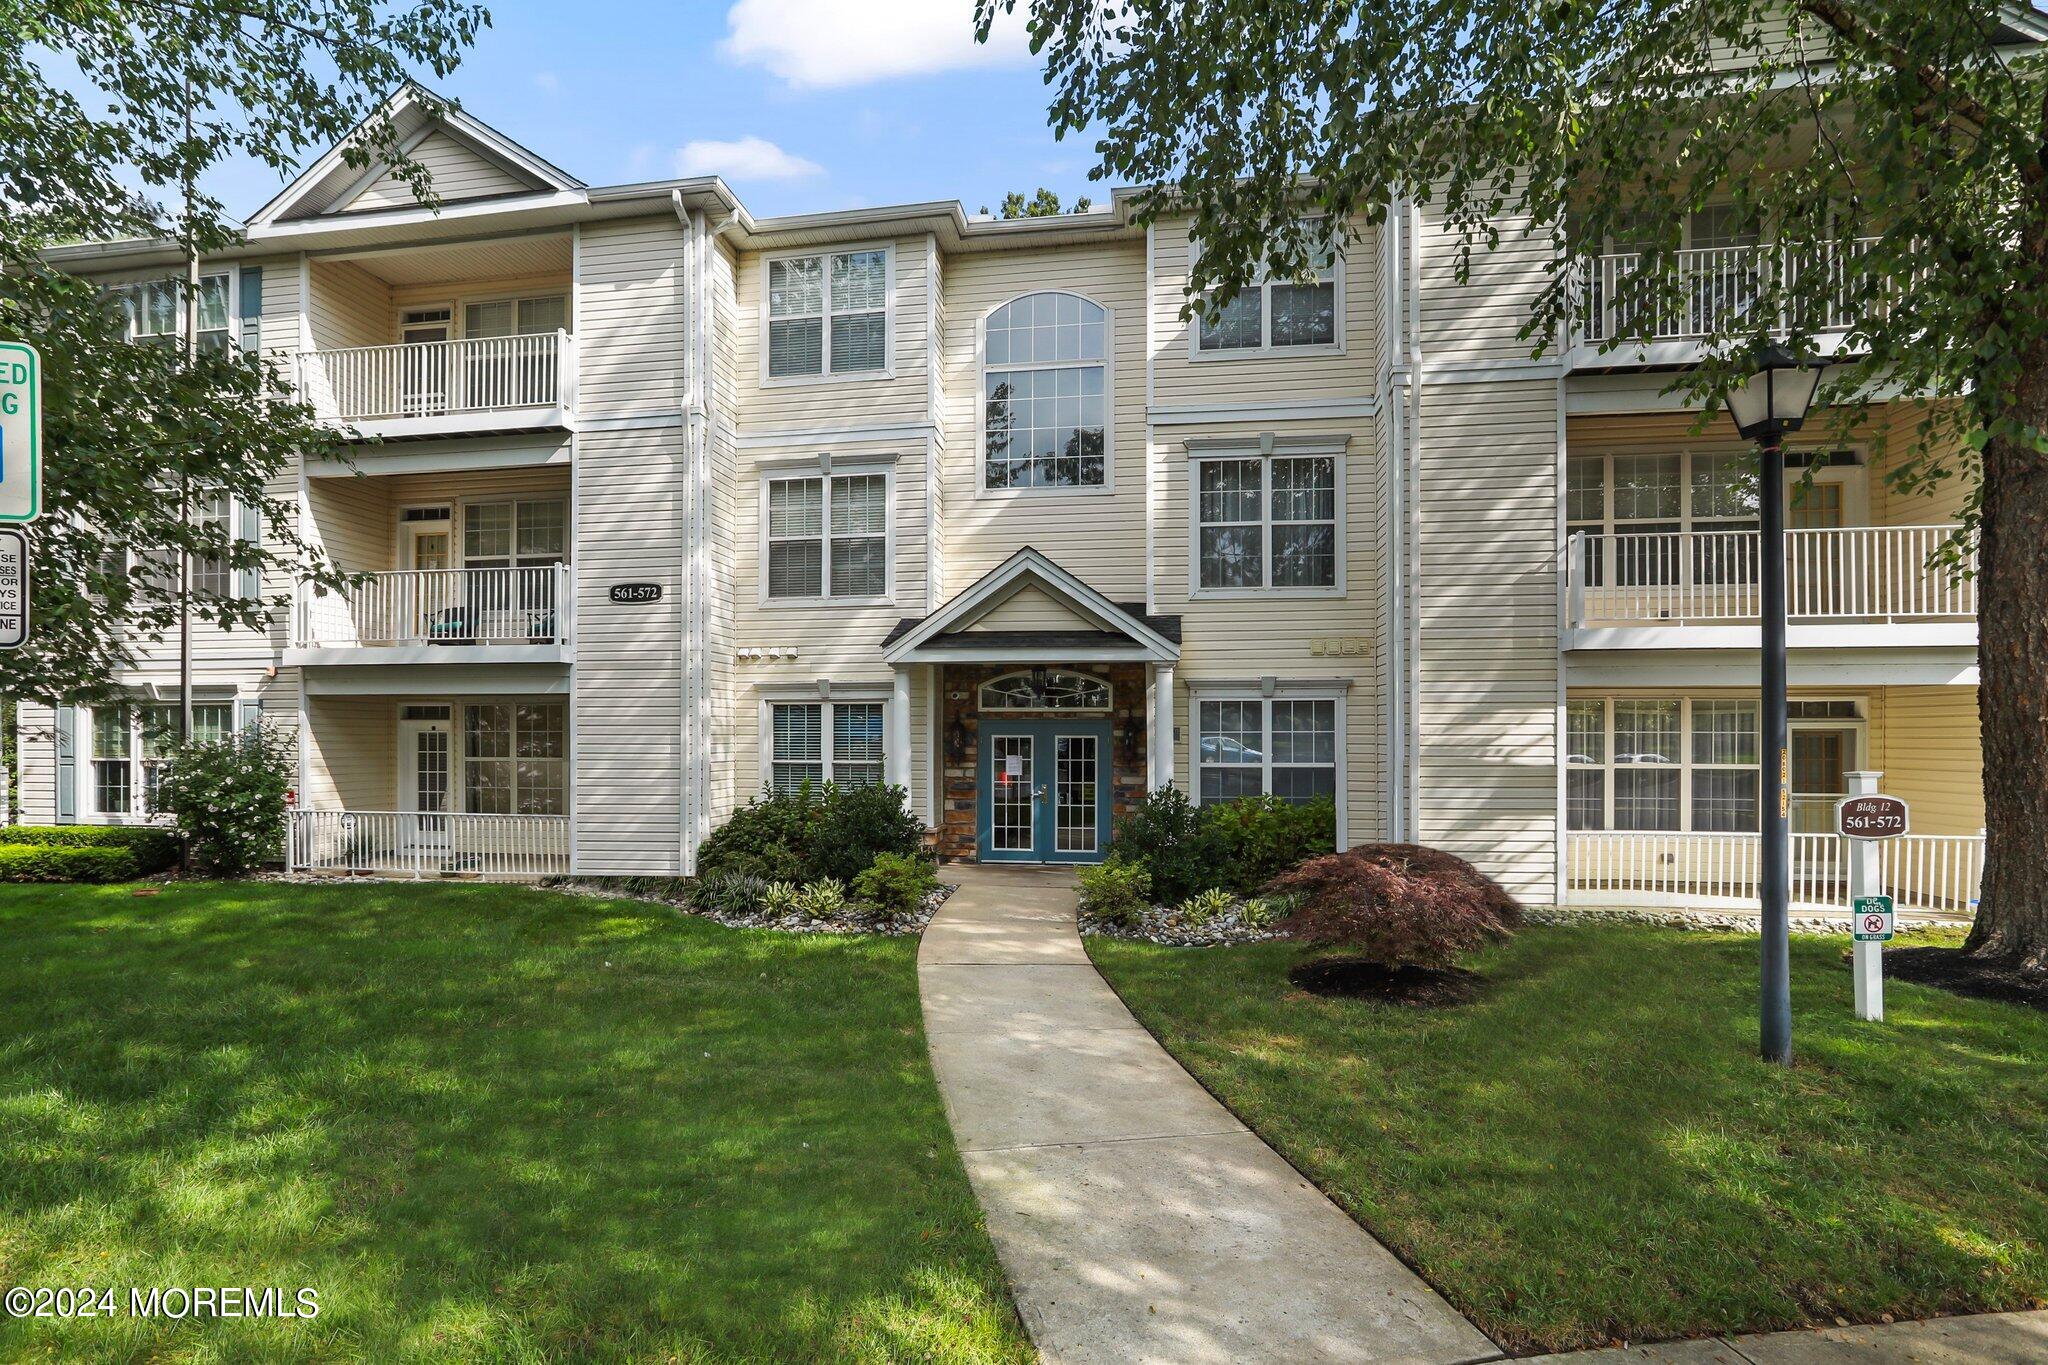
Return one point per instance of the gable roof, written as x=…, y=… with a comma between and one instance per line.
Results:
x=1106, y=629
x=480, y=162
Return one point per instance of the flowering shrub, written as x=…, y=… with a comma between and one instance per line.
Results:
x=1397, y=904
x=227, y=796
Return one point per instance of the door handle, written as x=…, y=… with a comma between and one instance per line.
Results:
x=1044, y=792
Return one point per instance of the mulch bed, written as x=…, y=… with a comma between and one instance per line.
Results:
x=1954, y=970
x=1351, y=978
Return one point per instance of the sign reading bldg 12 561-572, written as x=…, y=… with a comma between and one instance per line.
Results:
x=21, y=432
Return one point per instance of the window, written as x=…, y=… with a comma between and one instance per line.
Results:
x=1662, y=763
x=131, y=747
x=504, y=535
x=1044, y=389
x=809, y=741
x=155, y=312
x=1045, y=689
x=511, y=317
x=828, y=314
x=1251, y=746
x=1632, y=506
x=515, y=758
x=827, y=537
x=214, y=512
x=1266, y=524
x=1275, y=315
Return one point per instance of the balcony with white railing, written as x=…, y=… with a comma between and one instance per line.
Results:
x=1844, y=587
x=445, y=388
x=498, y=615
x=423, y=844
x=1936, y=874
x=1709, y=290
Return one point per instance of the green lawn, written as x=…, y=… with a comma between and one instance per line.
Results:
x=484, y=1124
x=1591, y=1150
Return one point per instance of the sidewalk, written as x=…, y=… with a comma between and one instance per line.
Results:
x=1137, y=1219
x=1986, y=1339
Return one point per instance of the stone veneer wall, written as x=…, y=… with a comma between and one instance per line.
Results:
x=960, y=745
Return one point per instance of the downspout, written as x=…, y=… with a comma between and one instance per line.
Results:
x=1415, y=383
x=1395, y=681
x=705, y=418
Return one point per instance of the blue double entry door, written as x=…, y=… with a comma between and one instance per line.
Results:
x=1044, y=791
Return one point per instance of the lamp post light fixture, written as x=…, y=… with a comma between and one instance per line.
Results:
x=1769, y=404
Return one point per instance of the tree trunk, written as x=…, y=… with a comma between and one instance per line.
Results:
x=2012, y=689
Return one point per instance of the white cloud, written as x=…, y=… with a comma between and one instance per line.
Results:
x=822, y=43
x=747, y=158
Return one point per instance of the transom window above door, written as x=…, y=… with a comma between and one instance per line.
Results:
x=1045, y=689
x=1045, y=419
x=828, y=314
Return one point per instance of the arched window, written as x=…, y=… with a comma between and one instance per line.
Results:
x=1045, y=414
x=1045, y=689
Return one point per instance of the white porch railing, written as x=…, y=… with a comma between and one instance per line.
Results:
x=439, y=607
x=1928, y=872
x=1854, y=573
x=1716, y=288
x=410, y=844
x=438, y=378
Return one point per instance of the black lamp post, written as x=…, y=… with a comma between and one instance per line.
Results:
x=1766, y=406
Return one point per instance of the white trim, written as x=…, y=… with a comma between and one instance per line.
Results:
x=826, y=374
x=1266, y=350
x=1874, y=635
x=446, y=457
x=834, y=435
x=1151, y=390
x=1150, y=644
x=1108, y=485
x=398, y=655
x=1279, y=410
x=825, y=695
x=1494, y=371
x=1265, y=450
x=830, y=473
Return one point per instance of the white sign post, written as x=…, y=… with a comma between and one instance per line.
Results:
x=21, y=432
x=1871, y=917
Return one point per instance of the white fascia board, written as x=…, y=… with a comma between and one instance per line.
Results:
x=1027, y=561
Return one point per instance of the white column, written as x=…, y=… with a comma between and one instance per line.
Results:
x=1866, y=878
x=1161, y=738
x=897, y=749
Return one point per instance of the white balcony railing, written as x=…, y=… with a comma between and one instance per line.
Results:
x=1923, y=872
x=439, y=378
x=419, y=844
x=1717, y=288
x=520, y=606
x=1856, y=573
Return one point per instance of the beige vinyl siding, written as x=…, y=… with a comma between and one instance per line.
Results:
x=937, y=582
x=728, y=786
x=347, y=305
x=35, y=750
x=1936, y=505
x=1097, y=536
x=353, y=520
x=867, y=399
x=351, y=753
x=1487, y=709
x=1032, y=609
x=1242, y=638
x=1933, y=756
x=457, y=173
x=454, y=294
x=631, y=328
x=1281, y=376
x=1480, y=318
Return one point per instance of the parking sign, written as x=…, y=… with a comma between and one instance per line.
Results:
x=21, y=432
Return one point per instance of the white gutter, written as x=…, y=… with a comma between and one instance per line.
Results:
x=1415, y=381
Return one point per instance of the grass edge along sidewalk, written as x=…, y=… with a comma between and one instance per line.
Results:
x=484, y=1122
x=1591, y=1151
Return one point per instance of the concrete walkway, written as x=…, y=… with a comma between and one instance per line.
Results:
x=1984, y=1339
x=1137, y=1219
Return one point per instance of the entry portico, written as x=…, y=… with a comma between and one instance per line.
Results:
x=1047, y=693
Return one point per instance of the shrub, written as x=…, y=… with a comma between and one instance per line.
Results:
x=1397, y=904
x=1116, y=890
x=735, y=893
x=1263, y=912
x=821, y=899
x=812, y=833
x=227, y=795
x=858, y=824
x=153, y=848
x=54, y=862
x=896, y=882
x=1256, y=838
x=779, y=898
x=1204, y=906
x=1165, y=832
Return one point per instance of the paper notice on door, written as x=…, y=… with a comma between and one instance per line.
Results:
x=1013, y=765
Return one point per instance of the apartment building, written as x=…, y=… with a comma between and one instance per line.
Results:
x=670, y=504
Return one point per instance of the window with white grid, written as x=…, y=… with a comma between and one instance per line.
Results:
x=828, y=314
x=1266, y=524
x=1044, y=390
x=1279, y=314
x=154, y=311
x=826, y=537
x=1285, y=746
x=1662, y=763
x=813, y=741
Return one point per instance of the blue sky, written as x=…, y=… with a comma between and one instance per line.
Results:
x=800, y=104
